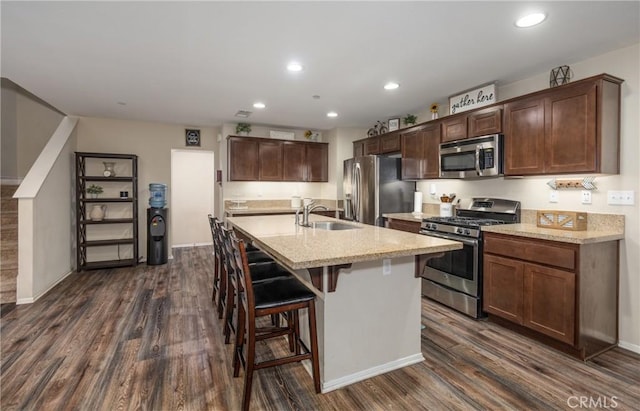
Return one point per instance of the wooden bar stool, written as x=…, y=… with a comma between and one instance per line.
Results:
x=261, y=270
x=276, y=296
x=219, y=271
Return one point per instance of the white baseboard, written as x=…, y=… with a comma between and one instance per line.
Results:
x=191, y=245
x=628, y=346
x=332, y=385
x=30, y=300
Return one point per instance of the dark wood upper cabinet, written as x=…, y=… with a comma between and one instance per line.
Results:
x=480, y=122
x=573, y=128
x=420, y=152
x=390, y=142
x=484, y=122
x=372, y=146
x=454, y=127
x=358, y=148
x=383, y=144
x=270, y=157
x=263, y=159
x=524, y=132
x=317, y=162
x=294, y=161
x=242, y=159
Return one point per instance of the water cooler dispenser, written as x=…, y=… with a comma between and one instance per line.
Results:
x=157, y=236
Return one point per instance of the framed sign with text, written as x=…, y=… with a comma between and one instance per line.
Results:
x=473, y=98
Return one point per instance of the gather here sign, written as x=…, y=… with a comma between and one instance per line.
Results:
x=470, y=99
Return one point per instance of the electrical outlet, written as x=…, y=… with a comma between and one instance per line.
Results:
x=586, y=197
x=621, y=197
x=553, y=196
x=386, y=266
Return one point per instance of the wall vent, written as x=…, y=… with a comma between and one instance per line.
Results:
x=243, y=113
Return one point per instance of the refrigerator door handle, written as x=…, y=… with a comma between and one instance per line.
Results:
x=356, y=192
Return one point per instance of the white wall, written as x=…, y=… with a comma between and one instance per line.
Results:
x=534, y=193
x=35, y=125
x=152, y=143
x=9, y=138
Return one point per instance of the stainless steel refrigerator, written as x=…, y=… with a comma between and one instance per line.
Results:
x=372, y=187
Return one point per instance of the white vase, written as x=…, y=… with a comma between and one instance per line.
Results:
x=97, y=212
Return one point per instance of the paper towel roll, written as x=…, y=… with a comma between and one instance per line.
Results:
x=417, y=202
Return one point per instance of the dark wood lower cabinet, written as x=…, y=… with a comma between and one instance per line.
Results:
x=563, y=294
x=403, y=225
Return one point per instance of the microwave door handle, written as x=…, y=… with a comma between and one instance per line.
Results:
x=478, y=171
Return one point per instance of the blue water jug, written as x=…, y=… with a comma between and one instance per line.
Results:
x=157, y=195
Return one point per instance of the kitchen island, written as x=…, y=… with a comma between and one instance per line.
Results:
x=368, y=288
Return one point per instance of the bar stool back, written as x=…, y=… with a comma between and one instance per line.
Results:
x=276, y=296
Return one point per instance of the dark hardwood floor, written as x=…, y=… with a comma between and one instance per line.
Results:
x=147, y=338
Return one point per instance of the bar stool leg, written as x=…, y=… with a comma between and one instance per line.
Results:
x=222, y=294
x=248, y=373
x=313, y=335
x=228, y=312
x=240, y=339
x=216, y=279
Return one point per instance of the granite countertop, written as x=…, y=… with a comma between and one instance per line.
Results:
x=305, y=247
x=588, y=236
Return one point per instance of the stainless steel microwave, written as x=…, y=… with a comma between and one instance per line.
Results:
x=476, y=157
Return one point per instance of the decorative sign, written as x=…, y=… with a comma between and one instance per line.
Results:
x=192, y=137
x=282, y=135
x=474, y=98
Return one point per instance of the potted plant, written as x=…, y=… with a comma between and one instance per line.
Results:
x=243, y=128
x=94, y=190
x=410, y=120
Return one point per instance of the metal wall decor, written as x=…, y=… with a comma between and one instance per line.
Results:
x=559, y=76
x=379, y=128
x=192, y=137
x=587, y=183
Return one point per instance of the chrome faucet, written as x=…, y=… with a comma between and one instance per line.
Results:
x=305, y=214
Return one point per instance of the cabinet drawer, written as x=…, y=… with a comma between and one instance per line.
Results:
x=539, y=251
x=372, y=146
x=390, y=143
x=407, y=226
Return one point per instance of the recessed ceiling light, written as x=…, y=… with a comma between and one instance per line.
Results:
x=294, y=66
x=531, y=20
x=259, y=105
x=391, y=86
x=332, y=114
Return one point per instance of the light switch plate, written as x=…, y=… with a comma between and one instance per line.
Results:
x=553, y=196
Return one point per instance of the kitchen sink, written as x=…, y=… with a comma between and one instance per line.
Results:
x=333, y=225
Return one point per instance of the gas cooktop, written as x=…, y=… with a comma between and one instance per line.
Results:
x=468, y=220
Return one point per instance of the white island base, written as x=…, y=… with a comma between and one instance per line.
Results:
x=370, y=325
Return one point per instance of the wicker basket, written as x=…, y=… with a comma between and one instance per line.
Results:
x=562, y=220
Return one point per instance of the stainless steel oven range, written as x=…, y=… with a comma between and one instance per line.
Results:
x=455, y=278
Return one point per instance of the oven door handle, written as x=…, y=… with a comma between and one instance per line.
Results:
x=465, y=241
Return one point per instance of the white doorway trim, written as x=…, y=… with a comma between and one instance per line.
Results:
x=192, y=197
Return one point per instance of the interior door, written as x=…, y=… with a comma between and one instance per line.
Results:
x=191, y=199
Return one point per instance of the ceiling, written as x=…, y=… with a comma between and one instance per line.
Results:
x=197, y=64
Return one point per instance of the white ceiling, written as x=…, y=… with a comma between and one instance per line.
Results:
x=196, y=64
